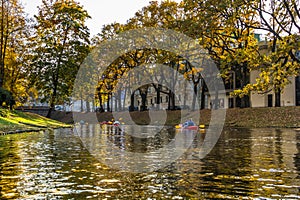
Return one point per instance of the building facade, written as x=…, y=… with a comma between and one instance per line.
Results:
x=290, y=95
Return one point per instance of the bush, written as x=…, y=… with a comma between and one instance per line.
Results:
x=4, y=113
x=6, y=99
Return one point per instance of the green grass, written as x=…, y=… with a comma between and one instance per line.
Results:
x=16, y=120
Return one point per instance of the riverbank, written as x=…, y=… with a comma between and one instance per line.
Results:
x=18, y=122
x=281, y=117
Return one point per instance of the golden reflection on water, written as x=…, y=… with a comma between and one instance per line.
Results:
x=258, y=163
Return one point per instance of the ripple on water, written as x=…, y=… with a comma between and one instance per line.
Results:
x=245, y=164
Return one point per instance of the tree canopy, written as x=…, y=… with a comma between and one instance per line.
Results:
x=42, y=56
x=61, y=43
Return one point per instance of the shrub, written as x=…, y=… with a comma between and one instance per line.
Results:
x=4, y=112
x=6, y=99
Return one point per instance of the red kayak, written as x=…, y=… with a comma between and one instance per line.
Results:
x=191, y=128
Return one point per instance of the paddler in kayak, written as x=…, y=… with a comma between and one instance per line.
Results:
x=188, y=123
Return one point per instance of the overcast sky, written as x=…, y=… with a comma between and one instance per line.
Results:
x=102, y=12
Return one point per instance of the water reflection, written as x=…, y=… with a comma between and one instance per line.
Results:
x=258, y=163
x=135, y=148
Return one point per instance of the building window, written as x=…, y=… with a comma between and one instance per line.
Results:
x=151, y=101
x=161, y=99
x=155, y=99
x=167, y=99
x=298, y=89
x=230, y=103
x=270, y=100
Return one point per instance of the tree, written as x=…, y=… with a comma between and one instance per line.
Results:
x=14, y=51
x=226, y=31
x=167, y=15
x=16, y=71
x=280, y=20
x=6, y=99
x=12, y=23
x=62, y=42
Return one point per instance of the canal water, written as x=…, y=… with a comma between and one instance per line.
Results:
x=245, y=163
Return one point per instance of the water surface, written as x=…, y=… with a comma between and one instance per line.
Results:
x=250, y=164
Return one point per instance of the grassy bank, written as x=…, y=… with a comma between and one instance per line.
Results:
x=284, y=117
x=16, y=121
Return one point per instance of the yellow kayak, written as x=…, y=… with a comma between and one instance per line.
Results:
x=178, y=126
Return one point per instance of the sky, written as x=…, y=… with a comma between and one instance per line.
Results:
x=102, y=12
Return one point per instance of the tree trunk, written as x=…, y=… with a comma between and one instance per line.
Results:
x=56, y=77
x=119, y=100
x=1, y=74
x=124, y=99
x=87, y=105
x=202, y=100
x=158, y=97
x=216, y=101
x=245, y=100
x=131, y=108
x=144, y=99
x=52, y=100
x=93, y=105
x=172, y=100
x=116, y=103
x=81, y=105
x=101, y=103
x=112, y=103
x=278, y=98
x=184, y=94
x=108, y=102
x=194, y=96
x=51, y=109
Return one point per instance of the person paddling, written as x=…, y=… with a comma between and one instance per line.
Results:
x=188, y=123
